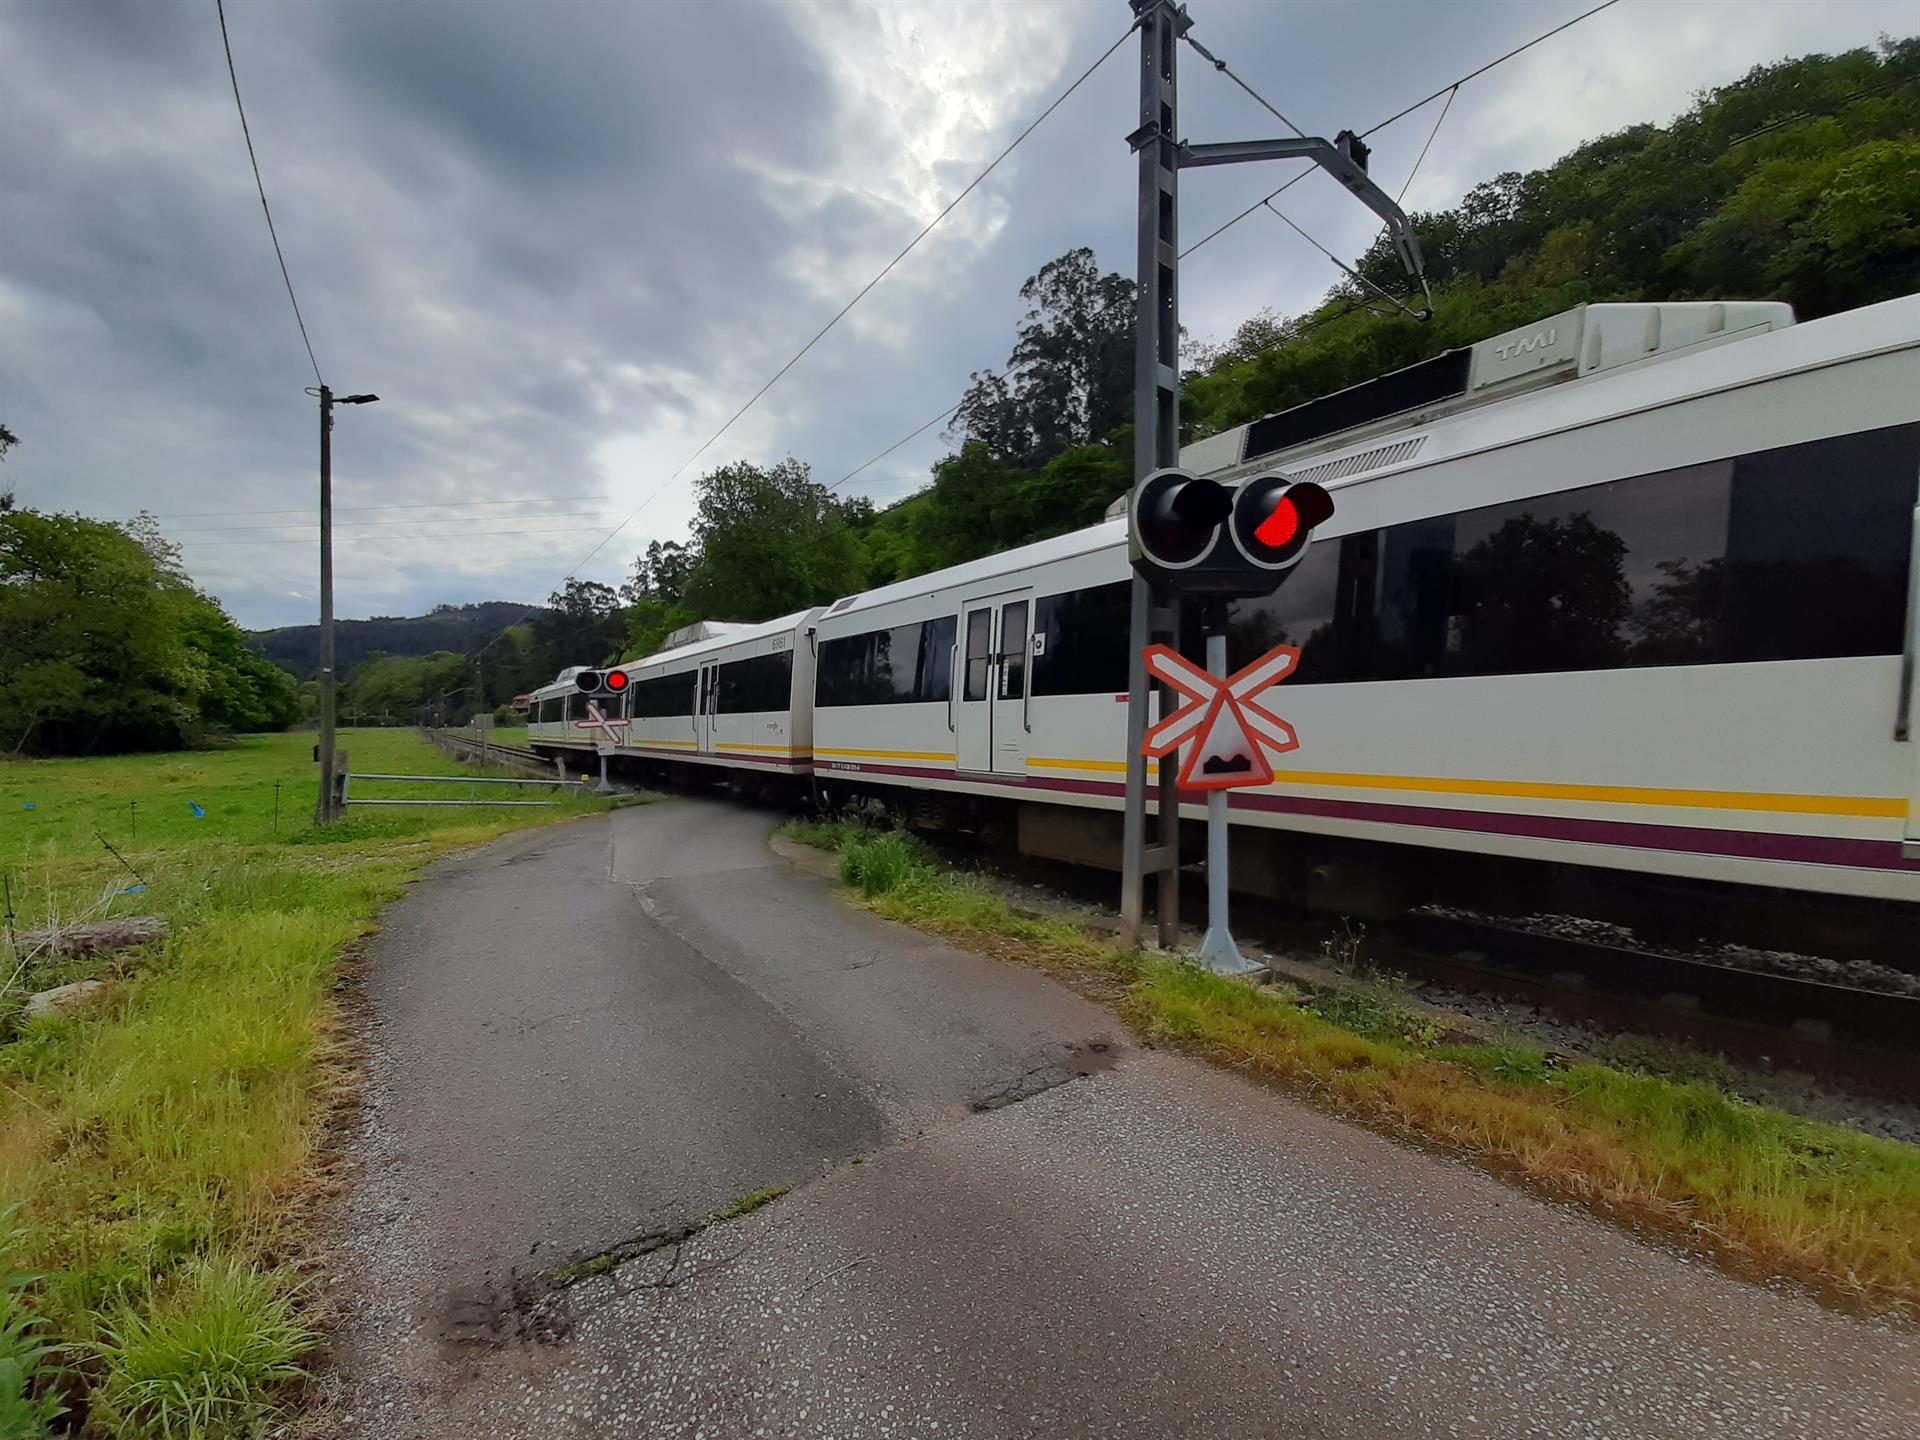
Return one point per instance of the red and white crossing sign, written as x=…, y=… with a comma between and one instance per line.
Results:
x=1230, y=735
x=612, y=729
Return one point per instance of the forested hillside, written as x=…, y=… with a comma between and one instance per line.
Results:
x=1800, y=182
x=458, y=628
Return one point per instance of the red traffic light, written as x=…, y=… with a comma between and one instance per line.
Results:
x=616, y=680
x=1274, y=519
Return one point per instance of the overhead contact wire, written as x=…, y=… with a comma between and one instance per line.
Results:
x=260, y=185
x=885, y=270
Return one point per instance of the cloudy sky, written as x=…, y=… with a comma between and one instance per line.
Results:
x=566, y=241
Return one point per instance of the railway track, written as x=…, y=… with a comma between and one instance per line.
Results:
x=467, y=745
x=1867, y=1039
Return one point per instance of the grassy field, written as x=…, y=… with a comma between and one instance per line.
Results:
x=506, y=735
x=1825, y=1205
x=159, y=1150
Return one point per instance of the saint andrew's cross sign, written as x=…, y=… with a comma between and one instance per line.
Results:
x=1229, y=734
x=611, y=729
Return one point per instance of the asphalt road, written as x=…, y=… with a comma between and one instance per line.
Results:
x=1003, y=1220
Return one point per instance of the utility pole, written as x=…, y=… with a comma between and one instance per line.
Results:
x=1156, y=410
x=325, y=810
x=1156, y=443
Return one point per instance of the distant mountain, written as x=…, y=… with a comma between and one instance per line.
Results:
x=460, y=628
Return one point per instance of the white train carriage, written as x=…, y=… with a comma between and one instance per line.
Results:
x=1632, y=588
x=741, y=701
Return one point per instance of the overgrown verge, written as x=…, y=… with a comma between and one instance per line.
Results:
x=162, y=1147
x=1836, y=1209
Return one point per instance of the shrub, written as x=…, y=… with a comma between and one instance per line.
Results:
x=23, y=1416
x=881, y=862
x=199, y=1360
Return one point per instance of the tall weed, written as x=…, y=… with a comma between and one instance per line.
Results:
x=201, y=1358
x=24, y=1350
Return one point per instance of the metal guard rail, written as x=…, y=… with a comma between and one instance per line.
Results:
x=346, y=798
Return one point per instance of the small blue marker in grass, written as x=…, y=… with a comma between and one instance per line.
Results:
x=198, y=813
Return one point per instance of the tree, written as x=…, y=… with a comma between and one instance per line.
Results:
x=105, y=644
x=1069, y=380
x=7, y=441
x=660, y=574
x=770, y=540
x=581, y=626
x=1797, y=182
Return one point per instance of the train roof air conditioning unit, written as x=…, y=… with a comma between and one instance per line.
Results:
x=1575, y=343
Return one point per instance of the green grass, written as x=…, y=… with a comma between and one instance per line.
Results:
x=202, y=1356
x=506, y=735
x=746, y=1204
x=1821, y=1203
x=164, y=1143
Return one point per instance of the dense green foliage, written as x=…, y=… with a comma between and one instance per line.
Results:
x=1799, y=182
x=105, y=644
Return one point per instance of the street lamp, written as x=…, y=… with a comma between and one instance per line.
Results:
x=325, y=811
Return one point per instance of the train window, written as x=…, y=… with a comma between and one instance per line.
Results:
x=979, y=653
x=1084, y=636
x=1013, y=650
x=1817, y=549
x=661, y=696
x=1300, y=612
x=1795, y=553
x=904, y=664
x=1577, y=580
x=764, y=682
x=576, y=706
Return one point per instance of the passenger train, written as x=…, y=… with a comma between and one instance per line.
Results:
x=1632, y=590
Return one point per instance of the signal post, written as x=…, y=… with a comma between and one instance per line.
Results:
x=1176, y=549
x=610, y=684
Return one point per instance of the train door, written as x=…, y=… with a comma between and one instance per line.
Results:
x=705, y=690
x=991, y=724
x=1907, y=726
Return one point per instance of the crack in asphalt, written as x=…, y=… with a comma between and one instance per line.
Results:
x=1080, y=1061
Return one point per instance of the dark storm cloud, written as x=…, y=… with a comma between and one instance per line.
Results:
x=565, y=241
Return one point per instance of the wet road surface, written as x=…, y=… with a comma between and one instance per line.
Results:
x=1003, y=1219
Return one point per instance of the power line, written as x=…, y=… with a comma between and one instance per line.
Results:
x=274, y=235
x=437, y=535
x=1341, y=265
x=418, y=505
x=1222, y=229
x=885, y=270
x=1401, y=115
x=1474, y=74
x=1421, y=159
x=893, y=447
x=1259, y=99
x=596, y=516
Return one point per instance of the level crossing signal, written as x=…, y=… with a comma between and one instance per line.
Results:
x=601, y=682
x=1198, y=537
